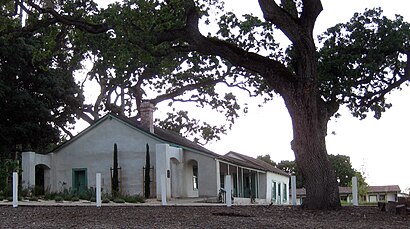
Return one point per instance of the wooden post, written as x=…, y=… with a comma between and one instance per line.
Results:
x=228, y=188
x=15, y=189
x=293, y=183
x=98, y=189
x=355, y=191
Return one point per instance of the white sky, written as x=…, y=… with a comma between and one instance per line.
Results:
x=377, y=147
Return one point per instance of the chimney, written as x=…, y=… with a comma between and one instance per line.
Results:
x=147, y=116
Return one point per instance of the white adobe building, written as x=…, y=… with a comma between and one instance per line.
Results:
x=190, y=169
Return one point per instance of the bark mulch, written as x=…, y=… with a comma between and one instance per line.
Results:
x=196, y=217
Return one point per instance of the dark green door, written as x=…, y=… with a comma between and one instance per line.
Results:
x=79, y=180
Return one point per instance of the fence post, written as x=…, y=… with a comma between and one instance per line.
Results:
x=228, y=188
x=293, y=184
x=15, y=189
x=355, y=191
x=98, y=189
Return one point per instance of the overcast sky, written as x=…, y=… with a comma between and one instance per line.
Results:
x=377, y=147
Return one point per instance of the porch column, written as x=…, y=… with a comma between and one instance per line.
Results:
x=242, y=191
x=237, y=182
x=218, y=176
x=257, y=185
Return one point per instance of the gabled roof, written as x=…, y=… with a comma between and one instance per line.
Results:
x=240, y=159
x=384, y=188
x=160, y=134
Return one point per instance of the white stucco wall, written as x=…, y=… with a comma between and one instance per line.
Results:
x=279, y=179
x=94, y=151
x=207, y=176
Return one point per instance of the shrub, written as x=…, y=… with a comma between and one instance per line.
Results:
x=119, y=200
x=33, y=198
x=134, y=199
x=58, y=199
x=105, y=200
x=93, y=199
x=1, y=198
x=75, y=199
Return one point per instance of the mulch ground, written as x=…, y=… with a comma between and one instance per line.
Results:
x=196, y=217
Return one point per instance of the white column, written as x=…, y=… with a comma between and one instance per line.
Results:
x=218, y=176
x=228, y=188
x=28, y=166
x=293, y=184
x=355, y=191
x=15, y=189
x=98, y=189
x=163, y=190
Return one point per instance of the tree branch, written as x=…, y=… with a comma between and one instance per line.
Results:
x=274, y=72
x=79, y=23
x=179, y=91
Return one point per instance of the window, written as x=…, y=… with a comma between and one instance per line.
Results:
x=285, y=193
x=273, y=191
x=382, y=197
x=195, y=177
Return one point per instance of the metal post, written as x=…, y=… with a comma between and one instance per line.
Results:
x=228, y=188
x=163, y=190
x=355, y=191
x=98, y=189
x=15, y=189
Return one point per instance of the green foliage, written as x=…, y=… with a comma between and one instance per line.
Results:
x=38, y=94
x=266, y=159
x=363, y=60
x=119, y=200
x=7, y=167
x=343, y=169
x=133, y=199
x=340, y=163
x=58, y=199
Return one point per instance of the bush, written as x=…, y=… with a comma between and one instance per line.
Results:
x=1, y=198
x=33, y=198
x=119, y=201
x=93, y=199
x=58, y=199
x=105, y=200
x=134, y=199
x=75, y=199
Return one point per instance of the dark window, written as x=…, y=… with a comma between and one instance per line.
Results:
x=195, y=177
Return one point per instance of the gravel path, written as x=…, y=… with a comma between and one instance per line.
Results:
x=196, y=217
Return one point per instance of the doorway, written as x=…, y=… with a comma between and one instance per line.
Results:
x=79, y=180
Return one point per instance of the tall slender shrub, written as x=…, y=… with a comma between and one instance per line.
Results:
x=147, y=179
x=114, y=183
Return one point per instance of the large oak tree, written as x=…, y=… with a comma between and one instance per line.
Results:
x=358, y=63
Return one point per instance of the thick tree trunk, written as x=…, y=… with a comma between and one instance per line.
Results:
x=309, y=119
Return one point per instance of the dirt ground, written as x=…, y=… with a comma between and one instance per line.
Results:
x=196, y=217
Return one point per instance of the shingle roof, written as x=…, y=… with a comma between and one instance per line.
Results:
x=384, y=188
x=251, y=162
x=162, y=134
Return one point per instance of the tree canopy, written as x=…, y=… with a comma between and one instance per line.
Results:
x=38, y=94
x=155, y=51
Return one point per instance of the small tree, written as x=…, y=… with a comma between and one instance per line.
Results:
x=147, y=175
x=114, y=180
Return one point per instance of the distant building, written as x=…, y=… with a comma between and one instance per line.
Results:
x=374, y=194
